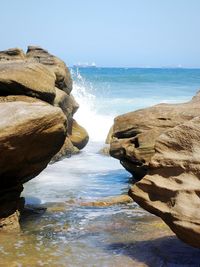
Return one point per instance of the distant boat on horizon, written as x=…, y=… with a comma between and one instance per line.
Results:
x=85, y=65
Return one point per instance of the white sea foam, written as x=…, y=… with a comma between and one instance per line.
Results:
x=97, y=124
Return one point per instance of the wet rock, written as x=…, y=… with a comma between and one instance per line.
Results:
x=66, y=151
x=105, y=151
x=109, y=201
x=78, y=135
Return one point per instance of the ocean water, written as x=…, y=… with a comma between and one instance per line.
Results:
x=104, y=93
x=71, y=234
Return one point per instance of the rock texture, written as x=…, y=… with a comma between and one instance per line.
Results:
x=134, y=134
x=36, y=124
x=27, y=78
x=56, y=65
x=162, y=143
x=78, y=135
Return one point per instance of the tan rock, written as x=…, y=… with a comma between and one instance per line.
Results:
x=26, y=78
x=108, y=201
x=67, y=150
x=27, y=132
x=78, y=135
x=171, y=189
x=12, y=54
x=109, y=136
x=105, y=151
x=56, y=65
x=66, y=102
x=135, y=133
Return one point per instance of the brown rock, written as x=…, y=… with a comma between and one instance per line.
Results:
x=109, y=136
x=12, y=54
x=108, y=201
x=26, y=78
x=67, y=150
x=27, y=132
x=135, y=133
x=56, y=65
x=66, y=102
x=171, y=190
x=78, y=135
x=30, y=134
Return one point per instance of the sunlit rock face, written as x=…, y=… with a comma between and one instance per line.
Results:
x=37, y=109
x=160, y=146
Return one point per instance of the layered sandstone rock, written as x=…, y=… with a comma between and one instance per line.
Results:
x=27, y=132
x=56, y=65
x=166, y=140
x=27, y=78
x=134, y=134
x=78, y=135
x=36, y=124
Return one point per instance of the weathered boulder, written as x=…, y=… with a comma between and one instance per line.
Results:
x=135, y=133
x=37, y=111
x=171, y=190
x=30, y=134
x=27, y=78
x=161, y=145
x=56, y=65
x=78, y=135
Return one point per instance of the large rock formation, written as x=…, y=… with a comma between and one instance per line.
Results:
x=134, y=134
x=36, y=124
x=161, y=145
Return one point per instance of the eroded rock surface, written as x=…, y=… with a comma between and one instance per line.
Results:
x=165, y=139
x=171, y=190
x=36, y=110
x=27, y=78
x=56, y=65
x=134, y=134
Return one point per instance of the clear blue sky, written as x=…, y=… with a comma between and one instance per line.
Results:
x=109, y=32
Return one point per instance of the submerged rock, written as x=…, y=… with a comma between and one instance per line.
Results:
x=108, y=201
x=161, y=144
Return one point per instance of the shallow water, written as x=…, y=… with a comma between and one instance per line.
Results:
x=68, y=234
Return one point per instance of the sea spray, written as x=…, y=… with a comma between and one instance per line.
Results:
x=97, y=124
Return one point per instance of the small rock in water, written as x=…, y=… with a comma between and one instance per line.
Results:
x=109, y=201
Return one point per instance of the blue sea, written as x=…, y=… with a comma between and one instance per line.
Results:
x=104, y=93
x=123, y=235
